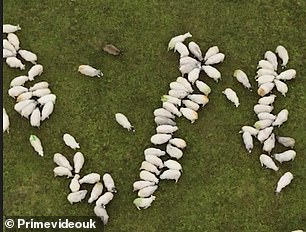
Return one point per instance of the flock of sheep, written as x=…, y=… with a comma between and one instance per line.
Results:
x=186, y=96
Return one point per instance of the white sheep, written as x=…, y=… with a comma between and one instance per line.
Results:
x=265, y=89
x=268, y=162
x=74, y=183
x=27, y=110
x=14, y=40
x=272, y=58
x=287, y=75
x=140, y=184
x=35, y=71
x=281, y=117
x=215, y=59
x=177, y=86
x=101, y=213
x=187, y=68
x=89, y=71
x=242, y=78
x=47, y=98
x=124, y=122
x=62, y=171
x=78, y=160
x=265, y=65
x=24, y=96
x=172, y=164
x=286, y=141
x=158, y=139
x=190, y=114
x=47, y=110
x=212, y=72
x=109, y=183
x=191, y=105
x=95, y=192
x=264, y=134
x=154, y=151
x=180, y=143
x=268, y=100
x=178, y=38
x=35, y=118
x=281, y=87
x=269, y=143
x=193, y=75
x=258, y=108
x=262, y=124
x=41, y=92
x=232, y=96
x=147, y=191
x=285, y=156
x=265, y=115
x=142, y=202
x=8, y=28
x=145, y=165
x=164, y=121
x=14, y=62
x=153, y=159
x=17, y=90
x=203, y=87
x=284, y=181
x=171, y=108
x=248, y=141
x=185, y=83
x=178, y=93
x=20, y=105
x=170, y=174
x=181, y=48
x=199, y=98
x=173, y=151
x=104, y=199
x=161, y=112
x=39, y=85
x=6, y=121
x=90, y=178
x=195, y=50
x=7, y=53
x=264, y=71
x=173, y=100
x=283, y=54
x=8, y=46
x=148, y=176
x=210, y=52
x=76, y=196
x=61, y=160
x=189, y=61
x=28, y=56
x=253, y=131
x=265, y=79
x=166, y=129
x=70, y=141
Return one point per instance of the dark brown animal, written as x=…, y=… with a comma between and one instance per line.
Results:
x=111, y=49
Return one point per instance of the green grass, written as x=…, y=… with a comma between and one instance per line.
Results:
x=222, y=188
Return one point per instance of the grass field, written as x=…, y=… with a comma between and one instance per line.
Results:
x=222, y=188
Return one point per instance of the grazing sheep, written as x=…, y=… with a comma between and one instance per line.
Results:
x=20, y=105
x=187, y=68
x=199, y=99
x=177, y=86
x=264, y=89
x=164, y=121
x=262, y=124
x=203, y=87
x=28, y=56
x=248, y=141
x=8, y=46
x=35, y=118
x=265, y=79
x=91, y=178
x=16, y=91
x=111, y=49
x=193, y=75
x=286, y=141
x=173, y=100
x=70, y=141
x=35, y=71
x=78, y=160
x=161, y=112
x=264, y=71
x=62, y=171
x=180, y=143
x=265, y=116
x=253, y=131
x=8, y=28
x=190, y=114
x=178, y=93
x=41, y=92
x=147, y=191
x=90, y=71
x=47, y=110
x=153, y=159
x=215, y=59
x=143, y=202
x=101, y=213
x=173, y=151
x=154, y=151
x=268, y=162
x=284, y=181
x=283, y=54
x=269, y=144
x=210, y=52
x=178, y=38
x=39, y=85
x=191, y=105
x=212, y=72
x=47, y=98
x=195, y=50
x=62, y=161
x=242, y=78
x=14, y=40
x=272, y=58
x=148, y=176
x=258, y=108
x=181, y=48
x=267, y=100
x=158, y=139
x=171, y=108
x=105, y=199
x=76, y=196
x=171, y=174
x=24, y=96
x=285, y=156
x=74, y=184
x=166, y=129
x=95, y=192
x=172, y=164
x=124, y=122
x=7, y=53
x=27, y=111
x=189, y=61
x=264, y=134
x=6, y=121
x=185, y=83
x=232, y=96
x=265, y=65
x=281, y=117
x=145, y=165
x=14, y=62
x=287, y=75
x=109, y=183
x=137, y=185
x=281, y=87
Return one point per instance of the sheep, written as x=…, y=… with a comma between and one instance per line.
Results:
x=285, y=156
x=39, y=85
x=171, y=108
x=210, y=52
x=248, y=141
x=182, y=49
x=62, y=171
x=177, y=86
x=185, y=83
x=74, y=183
x=286, y=141
x=137, y=185
x=281, y=117
x=199, y=99
x=265, y=65
x=195, y=50
x=148, y=176
x=7, y=53
x=178, y=38
x=164, y=121
x=272, y=58
x=124, y=122
x=264, y=134
x=78, y=160
x=154, y=151
x=145, y=165
x=281, y=87
x=265, y=79
x=158, y=139
x=242, y=78
x=27, y=111
x=76, y=196
x=173, y=151
x=90, y=178
x=212, y=72
x=215, y=59
x=90, y=71
x=173, y=100
x=178, y=93
x=232, y=96
x=70, y=141
x=142, y=202
x=24, y=96
x=101, y=213
x=61, y=160
x=283, y=54
x=180, y=143
x=8, y=28
x=189, y=61
x=20, y=105
x=264, y=89
x=187, y=68
x=203, y=87
x=28, y=56
x=17, y=90
x=104, y=199
x=161, y=112
x=264, y=71
x=47, y=110
x=253, y=131
x=262, y=124
x=95, y=192
x=171, y=174
x=189, y=114
x=268, y=100
x=8, y=46
x=6, y=121
x=287, y=75
x=111, y=49
x=109, y=183
x=35, y=71
x=41, y=92
x=284, y=181
x=14, y=62
x=47, y=98
x=147, y=191
x=265, y=115
x=268, y=162
x=14, y=40
x=269, y=143
x=153, y=159
x=35, y=118
x=166, y=129
x=193, y=75
x=172, y=164
x=258, y=108
x=191, y=105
